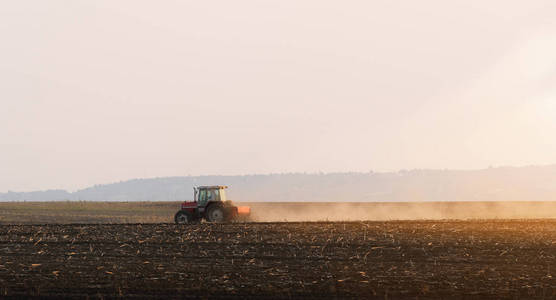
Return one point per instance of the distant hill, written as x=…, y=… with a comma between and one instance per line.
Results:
x=535, y=183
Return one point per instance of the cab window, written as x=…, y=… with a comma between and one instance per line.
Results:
x=202, y=197
x=210, y=195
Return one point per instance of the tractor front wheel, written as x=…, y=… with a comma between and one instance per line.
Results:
x=183, y=217
x=216, y=214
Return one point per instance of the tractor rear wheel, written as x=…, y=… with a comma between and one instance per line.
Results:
x=183, y=217
x=216, y=214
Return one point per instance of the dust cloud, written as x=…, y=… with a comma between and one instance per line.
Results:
x=305, y=211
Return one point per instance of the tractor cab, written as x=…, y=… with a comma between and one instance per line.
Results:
x=209, y=203
x=206, y=194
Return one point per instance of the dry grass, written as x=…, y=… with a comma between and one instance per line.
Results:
x=67, y=212
x=86, y=212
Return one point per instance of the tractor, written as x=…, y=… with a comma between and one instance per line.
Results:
x=209, y=203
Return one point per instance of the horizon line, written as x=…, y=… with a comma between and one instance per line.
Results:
x=289, y=173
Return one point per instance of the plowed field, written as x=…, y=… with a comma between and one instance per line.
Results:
x=395, y=259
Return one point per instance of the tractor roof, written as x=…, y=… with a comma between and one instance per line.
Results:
x=211, y=187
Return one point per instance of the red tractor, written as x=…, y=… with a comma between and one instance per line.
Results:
x=209, y=203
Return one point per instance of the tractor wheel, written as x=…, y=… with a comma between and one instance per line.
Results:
x=183, y=217
x=216, y=214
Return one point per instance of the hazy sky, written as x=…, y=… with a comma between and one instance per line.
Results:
x=101, y=91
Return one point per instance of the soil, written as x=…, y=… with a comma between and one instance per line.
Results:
x=383, y=260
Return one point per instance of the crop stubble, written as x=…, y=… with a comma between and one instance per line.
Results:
x=395, y=259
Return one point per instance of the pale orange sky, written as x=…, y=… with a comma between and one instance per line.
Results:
x=101, y=91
